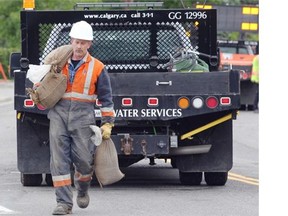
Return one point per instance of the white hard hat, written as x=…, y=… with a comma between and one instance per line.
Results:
x=81, y=30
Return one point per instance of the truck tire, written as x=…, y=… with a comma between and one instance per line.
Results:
x=31, y=179
x=173, y=163
x=216, y=178
x=48, y=180
x=190, y=178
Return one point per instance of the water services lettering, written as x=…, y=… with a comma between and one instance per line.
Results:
x=126, y=113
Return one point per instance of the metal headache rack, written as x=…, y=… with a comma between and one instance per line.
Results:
x=127, y=47
x=126, y=40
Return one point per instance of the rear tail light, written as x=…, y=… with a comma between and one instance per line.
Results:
x=197, y=102
x=127, y=102
x=225, y=101
x=153, y=101
x=244, y=76
x=28, y=103
x=183, y=102
x=211, y=102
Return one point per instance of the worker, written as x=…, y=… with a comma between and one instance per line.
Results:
x=71, y=117
x=255, y=80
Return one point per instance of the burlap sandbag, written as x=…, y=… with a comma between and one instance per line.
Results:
x=106, y=163
x=51, y=89
x=59, y=57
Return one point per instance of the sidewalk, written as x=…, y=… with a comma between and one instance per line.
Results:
x=6, y=91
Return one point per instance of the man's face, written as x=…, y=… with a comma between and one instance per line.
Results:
x=80, y=48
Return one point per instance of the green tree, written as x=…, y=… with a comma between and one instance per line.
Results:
x=9, y=29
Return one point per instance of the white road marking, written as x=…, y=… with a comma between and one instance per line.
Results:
x=6, y=211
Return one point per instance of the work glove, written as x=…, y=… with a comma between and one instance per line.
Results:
x=106, y=130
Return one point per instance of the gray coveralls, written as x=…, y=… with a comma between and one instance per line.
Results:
x=70, y=139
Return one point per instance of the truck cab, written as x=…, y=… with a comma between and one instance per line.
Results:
x=236, y=55
x=239, y=55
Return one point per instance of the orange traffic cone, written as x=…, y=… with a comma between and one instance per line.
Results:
x=3, y=72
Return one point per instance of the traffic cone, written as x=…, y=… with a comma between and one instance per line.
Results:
x=3, y=72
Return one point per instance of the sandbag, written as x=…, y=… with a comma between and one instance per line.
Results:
x=59, y=57
x=50, y=90
x=53, y=86
x=106, y=163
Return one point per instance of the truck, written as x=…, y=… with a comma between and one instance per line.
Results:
x=239, y=55
x=184, y=116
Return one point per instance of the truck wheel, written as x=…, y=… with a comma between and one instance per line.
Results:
x=48, y=180
x=216, y=178
x=250, y=107
x=173, y=162
x=190, y=178
x=31, y=179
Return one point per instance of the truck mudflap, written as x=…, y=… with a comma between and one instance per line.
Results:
x=220, y=155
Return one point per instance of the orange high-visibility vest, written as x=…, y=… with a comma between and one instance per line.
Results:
x=83, y=87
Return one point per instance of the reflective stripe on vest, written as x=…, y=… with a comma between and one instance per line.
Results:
x=89, y=76
x=79, y=96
